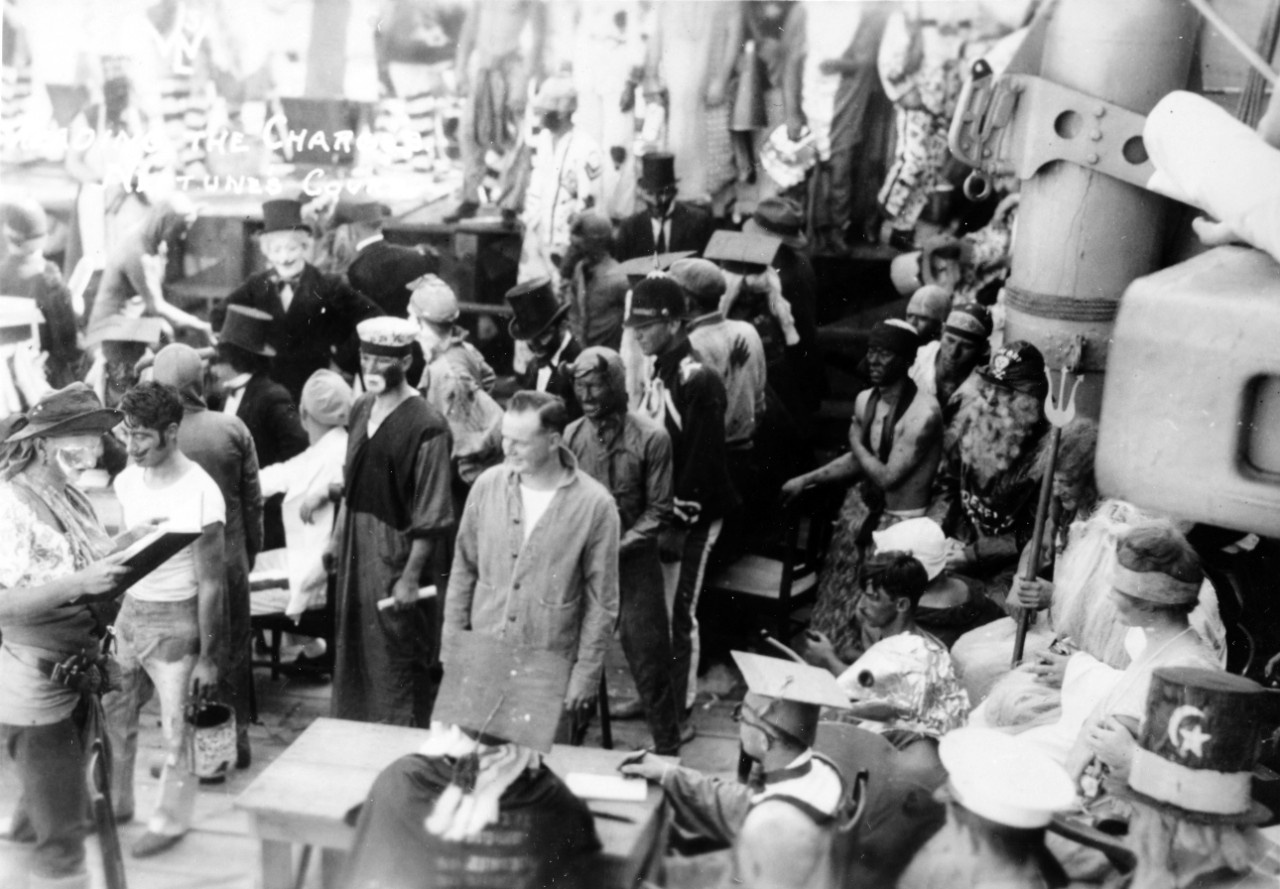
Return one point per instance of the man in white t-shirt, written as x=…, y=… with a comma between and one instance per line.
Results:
x=171, y=623
x=536, y=560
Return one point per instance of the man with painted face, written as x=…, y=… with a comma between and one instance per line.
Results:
x=895, y=443
x=172, y=625
x=396, y=508
x=665, y=225
x=631, y=456
x=941, y=366
x=566, y=180
x=688, y=398
x=313, y=315
x=538, y=319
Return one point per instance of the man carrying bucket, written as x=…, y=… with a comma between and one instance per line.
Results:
x=172, y=623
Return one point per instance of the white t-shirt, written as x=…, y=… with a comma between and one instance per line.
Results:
x=191, y=502
x=535, y=504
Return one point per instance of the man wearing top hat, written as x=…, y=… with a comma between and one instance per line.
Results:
x=313, y=315
x=666, y=225
x=396, y=509
x=538, y=319
x=943, y=365
x=1194, y=821
x=429, y=821
x=778, y=723
x=241, y=364
x=382, y=272
x=688, y=398
x=223, y=447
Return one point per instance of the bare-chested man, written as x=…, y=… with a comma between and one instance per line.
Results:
x=493, y=73
x=899, y=461
x=895, y=441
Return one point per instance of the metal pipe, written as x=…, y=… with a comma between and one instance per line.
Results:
x=1082, y=235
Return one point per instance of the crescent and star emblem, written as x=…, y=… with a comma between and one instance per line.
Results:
x=1189, y=740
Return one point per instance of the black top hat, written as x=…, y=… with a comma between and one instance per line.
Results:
x=282, y=215
x=1199, y=746
x=657, y=171
x=73, y=410
x=536, y=308
x=656, y=298
x=246, y=329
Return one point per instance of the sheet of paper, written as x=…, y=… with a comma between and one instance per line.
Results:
x=426, y=592
x=615, y=788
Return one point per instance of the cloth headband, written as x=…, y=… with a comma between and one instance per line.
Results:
x=1153, y=586
x=385, y=351
x=899, y=340
x=962, y=324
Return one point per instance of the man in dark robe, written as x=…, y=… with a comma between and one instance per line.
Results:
x=396, y=508
x=665, y=225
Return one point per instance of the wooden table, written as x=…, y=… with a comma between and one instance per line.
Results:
x=302, y=798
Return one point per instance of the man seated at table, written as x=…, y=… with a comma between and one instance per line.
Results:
x=906, y=681
x=477, y=802
x=778, y=722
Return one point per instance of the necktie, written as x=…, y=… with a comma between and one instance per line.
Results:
x=661, y=246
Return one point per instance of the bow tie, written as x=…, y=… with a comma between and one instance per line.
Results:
x=290, y=282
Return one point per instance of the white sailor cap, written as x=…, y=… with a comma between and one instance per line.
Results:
x=1004, y=778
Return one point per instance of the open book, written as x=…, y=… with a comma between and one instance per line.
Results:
x=145, y=555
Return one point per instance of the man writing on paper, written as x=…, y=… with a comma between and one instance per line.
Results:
x=172, y=624
x=536, y=561
x=396, y=506
x=780, y=827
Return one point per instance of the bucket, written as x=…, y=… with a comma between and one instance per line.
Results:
x=213, y=738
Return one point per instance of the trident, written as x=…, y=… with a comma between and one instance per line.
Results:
x=1059, y=415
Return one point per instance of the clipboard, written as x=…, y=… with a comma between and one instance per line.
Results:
x=144, y=556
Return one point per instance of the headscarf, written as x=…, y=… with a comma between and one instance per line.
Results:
x=327, y=398
x=896, y=336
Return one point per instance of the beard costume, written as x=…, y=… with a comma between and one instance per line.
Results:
x=989, y=479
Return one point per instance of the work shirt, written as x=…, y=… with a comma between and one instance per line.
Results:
x=559, y=590
x=631, y=456
x=735, y=351
x=597, y=301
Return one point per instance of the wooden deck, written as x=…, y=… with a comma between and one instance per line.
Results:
x=219, y=852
